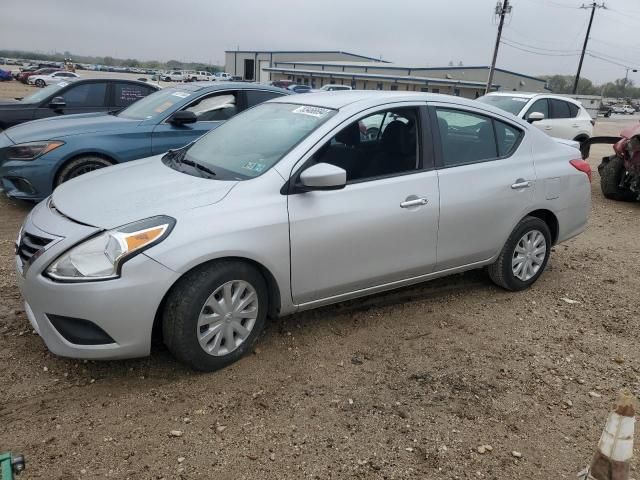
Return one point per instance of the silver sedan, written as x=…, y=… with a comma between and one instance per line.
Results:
x=299, y=202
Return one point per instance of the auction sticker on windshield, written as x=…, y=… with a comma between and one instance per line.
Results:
x=181, y=94
x=312, y=111
x=255, y=166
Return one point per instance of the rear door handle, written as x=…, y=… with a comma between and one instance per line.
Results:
x=521, y=183
x=414, y=202
x=548, y=128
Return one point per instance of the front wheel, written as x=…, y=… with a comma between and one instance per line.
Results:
x=40, y=83
x=524, y=256
x=80, y=166
x=214, y=314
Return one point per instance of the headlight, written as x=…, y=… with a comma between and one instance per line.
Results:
x=31, y=150
x=101, y=257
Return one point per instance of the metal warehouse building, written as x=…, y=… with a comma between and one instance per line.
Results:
x=318, y=68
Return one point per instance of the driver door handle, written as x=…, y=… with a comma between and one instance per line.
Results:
x=548, y=127
x=415, y=202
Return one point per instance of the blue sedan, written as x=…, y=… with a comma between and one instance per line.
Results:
x=37, y=156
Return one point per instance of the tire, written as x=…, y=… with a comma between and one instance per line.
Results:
x=80, y=166
x=611, y=173
x=188, y=301
x=40, y=83
x=502, y=272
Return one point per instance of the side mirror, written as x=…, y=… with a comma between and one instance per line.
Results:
x=323, y=176
x=535, y=117
x=183, y=117
x=57, y=103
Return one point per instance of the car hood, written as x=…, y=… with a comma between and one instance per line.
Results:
x=115, y=196
x=67, y=125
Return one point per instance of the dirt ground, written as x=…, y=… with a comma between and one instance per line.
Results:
x=404, y=385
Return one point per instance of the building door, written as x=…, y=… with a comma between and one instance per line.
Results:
x=249, y=69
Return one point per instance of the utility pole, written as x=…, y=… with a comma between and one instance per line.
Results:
x=501, y=10
x=593, y=7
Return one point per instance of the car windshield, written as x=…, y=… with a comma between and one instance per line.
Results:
x=154, y=104
x=248, y=145
x=41, y=94
x=510, y=104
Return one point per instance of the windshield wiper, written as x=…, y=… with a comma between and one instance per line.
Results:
x=177, y=157
x=197, y=166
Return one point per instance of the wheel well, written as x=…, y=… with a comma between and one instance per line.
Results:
x=272, y=286
x=581, y=138
x=75, y=157
x=551, y=220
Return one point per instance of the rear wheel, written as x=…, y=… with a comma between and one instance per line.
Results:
x=611, y=172
x=524, y=256
x=80, y=166
x=40, y=83
x=214, y=314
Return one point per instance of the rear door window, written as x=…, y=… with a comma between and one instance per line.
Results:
x=255, y=97
x=124, y=94
x=573, y=109
x=465, y=137
x=507, y=137
x=86, y=95
x=559, y=109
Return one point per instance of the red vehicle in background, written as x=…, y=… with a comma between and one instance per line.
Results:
x=620, y=172
x=24, y=75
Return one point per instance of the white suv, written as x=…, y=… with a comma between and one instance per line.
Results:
x=558, y=116
x=200, y=76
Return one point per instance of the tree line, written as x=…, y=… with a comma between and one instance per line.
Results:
x=109, y=61
x=619, y=88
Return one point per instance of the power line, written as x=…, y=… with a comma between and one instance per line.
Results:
x=541, y=48
x=554, y=4
x=546, y=54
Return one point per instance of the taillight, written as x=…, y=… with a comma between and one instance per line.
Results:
x=582, y=166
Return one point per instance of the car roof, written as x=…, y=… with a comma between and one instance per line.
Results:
x=341, y=99
x=363, y=99
x=212, y=86
x=111, y=80
x=533, y=95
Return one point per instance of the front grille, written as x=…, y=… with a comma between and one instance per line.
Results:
x=29, y=245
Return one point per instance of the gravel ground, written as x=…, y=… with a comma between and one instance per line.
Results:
x=398, y=386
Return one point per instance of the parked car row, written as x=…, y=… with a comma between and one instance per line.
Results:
x=192, y=76
x=220, y=224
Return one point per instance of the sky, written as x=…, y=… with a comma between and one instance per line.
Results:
x=543, y=36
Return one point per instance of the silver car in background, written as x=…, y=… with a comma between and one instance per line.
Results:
x=299, y=202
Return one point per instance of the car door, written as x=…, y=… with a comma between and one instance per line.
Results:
x=211, y=111
x=487, y=181
x=82, y=97
x=382, y=226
